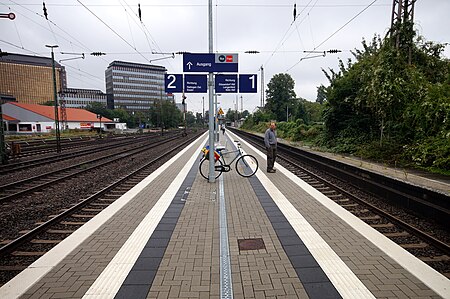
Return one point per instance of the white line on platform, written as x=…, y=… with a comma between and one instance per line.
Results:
x=343, y=279
x=28, y=277
x=430, y=277
x=110, y=280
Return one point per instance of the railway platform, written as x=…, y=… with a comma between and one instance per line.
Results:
x=174, y=235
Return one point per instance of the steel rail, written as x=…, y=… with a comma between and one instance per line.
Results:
x=70, y=175
x=14, y=244
x=257, y=141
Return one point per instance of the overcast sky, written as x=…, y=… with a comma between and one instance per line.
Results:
x=168, y=26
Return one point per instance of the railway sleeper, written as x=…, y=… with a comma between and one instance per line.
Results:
x=414, y=245
x=329, y=192
x=362, y=211
x=82, y=216
x=28, y=253
x=431, y=259
x=91, y=210
x=109, y=199
x=382, y=225
x=376, y=217
x=100, y=204
x=13, y=268
x=60, y=231
x=41, y=241
x=397, y=234
x=72, y=223
x=350, y=205
x=339, y=200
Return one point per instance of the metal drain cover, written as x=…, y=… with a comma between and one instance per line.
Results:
x=251, y=244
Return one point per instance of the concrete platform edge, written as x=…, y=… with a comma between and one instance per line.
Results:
x=28, y=277
x=430, y=277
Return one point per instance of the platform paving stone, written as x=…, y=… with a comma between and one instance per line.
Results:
x=88, y=260
x=189, y=260
x=368, y=262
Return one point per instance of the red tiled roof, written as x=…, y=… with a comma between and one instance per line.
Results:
x=73, y=114
x=8, y=118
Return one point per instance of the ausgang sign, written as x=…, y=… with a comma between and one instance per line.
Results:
x=210, y=63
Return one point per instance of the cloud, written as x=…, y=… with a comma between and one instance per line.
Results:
x=176, y=25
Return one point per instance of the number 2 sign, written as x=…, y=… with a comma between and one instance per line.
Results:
x=173, y=83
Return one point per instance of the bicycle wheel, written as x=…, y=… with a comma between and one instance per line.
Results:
x=246, y=166
x=204, y=168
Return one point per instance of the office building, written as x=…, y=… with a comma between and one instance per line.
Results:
x=29, y=79
x=80, y=98
x=135, y=87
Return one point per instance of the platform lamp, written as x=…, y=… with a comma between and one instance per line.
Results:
x=57, y=132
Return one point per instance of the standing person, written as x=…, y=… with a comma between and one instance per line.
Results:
x=223, y=129
x=270, y=140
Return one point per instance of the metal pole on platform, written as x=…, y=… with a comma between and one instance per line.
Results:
x=211, y=100
x=57, y=132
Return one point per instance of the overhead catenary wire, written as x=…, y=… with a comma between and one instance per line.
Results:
x=79, y=43
x=334, y=33
x=129, y=25
x=283, y=39
x=223, y=5
x=17, y=30
x=147, y=33
x=115, y=32
x=16, y=46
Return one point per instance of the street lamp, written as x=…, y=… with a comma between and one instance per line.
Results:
x=58, y=136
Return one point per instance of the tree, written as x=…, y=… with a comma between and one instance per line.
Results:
x=321, y=94
x=280, y=95
x=392, y=104
x=98, y=108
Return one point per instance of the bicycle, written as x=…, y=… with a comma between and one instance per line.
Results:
x=243, y=162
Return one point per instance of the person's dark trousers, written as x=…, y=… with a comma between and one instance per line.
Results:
x=271, y=156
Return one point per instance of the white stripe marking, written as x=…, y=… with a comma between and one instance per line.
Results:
x=28, y=277
x=344, y=280
x=110, y=280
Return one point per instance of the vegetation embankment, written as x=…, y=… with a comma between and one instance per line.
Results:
x=389, y=104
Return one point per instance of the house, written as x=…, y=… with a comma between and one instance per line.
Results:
x=32, y=118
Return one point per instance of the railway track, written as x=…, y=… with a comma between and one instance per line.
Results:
x=18, y=253
x=86, y=149
x=26, y=186
x=345, y=189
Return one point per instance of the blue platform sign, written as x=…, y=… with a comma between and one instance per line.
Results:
x=210, y=63
x=226, y=83
x=173, y=83
x=248, y=83
x=195, y=83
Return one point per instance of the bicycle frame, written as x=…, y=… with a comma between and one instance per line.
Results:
x=222, y=153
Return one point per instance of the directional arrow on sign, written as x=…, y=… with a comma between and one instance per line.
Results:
x=189, y=64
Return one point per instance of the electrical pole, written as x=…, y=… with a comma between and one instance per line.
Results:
x=3, y=155
x=262, y=86
x=161, y=113
x=212, y=177
x=203, y=112
x=62, y=104
x=402, y=13
x=242, y=105
x=58, y=135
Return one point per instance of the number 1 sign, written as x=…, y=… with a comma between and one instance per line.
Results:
x=248, y=83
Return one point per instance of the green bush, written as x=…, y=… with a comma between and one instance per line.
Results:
x=432, y=152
